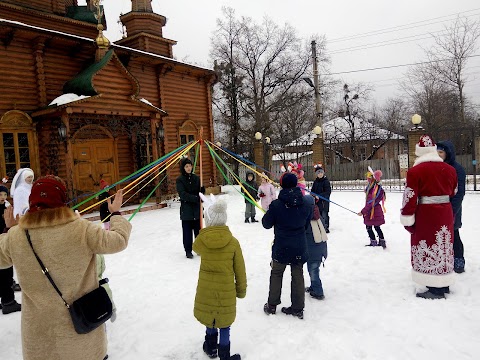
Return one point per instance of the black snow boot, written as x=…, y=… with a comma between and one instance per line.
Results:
x=382, y=243
x=224, y=353
x=290, y=311
x=11, y=307
x=253, y=220
x=269, y=309
x=247, y=221
x=373, y=242
x=210, y=345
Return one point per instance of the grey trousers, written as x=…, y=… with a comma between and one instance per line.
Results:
x=249, y=211
x=297, y=294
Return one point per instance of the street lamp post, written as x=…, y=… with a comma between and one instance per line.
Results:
x=262, y=154
x=413, y=137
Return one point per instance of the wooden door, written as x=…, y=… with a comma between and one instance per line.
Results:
x=93, y=160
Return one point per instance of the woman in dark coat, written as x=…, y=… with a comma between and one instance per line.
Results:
x=290, y=217
x=188, y=187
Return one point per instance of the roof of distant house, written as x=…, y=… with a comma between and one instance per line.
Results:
x=338, y=131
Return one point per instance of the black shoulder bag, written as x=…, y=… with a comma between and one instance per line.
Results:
x=88, y=312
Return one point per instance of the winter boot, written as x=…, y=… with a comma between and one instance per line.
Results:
x=16, y=286
x=308, y=289
x=317, y=297
x=11, y=307
x=210, y=345
x=247, y=221
x=430, y=295
x=459, y=265
x=270, y=309
x=224, y=353
x=189, y=255
x=253, y=220
x=382, y=243
x=290, y=311
x=373, y=242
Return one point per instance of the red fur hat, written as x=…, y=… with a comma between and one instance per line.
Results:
x=48, y=192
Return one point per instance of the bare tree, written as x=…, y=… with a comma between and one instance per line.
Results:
x=430, y=97
x=270, y=61
x=354, y=126
x=451, y=53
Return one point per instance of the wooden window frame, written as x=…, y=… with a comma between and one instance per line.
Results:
x=16, y=122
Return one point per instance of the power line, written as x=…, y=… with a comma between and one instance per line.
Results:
x=400, y=27
x=389, y=42
x=394, y=66
x=376, y=46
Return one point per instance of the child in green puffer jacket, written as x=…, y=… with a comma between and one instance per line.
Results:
x=222, y=278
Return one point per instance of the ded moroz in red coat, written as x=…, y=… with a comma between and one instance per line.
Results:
x=427, y=214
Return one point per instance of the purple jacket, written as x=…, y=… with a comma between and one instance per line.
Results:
x=377, y=219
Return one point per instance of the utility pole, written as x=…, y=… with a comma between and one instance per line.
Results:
x=318, y=154
x=318, y=104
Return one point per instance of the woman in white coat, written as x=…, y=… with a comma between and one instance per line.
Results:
x=20, y=190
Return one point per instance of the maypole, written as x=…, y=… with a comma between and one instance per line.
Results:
x=201, y=173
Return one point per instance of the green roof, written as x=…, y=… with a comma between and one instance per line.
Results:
x=82, y=83
x=82, y=13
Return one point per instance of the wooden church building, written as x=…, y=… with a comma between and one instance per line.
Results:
x=77, y=106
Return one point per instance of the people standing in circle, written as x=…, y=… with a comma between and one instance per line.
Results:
x=374, y=208
x=20, y=190
x=446, y=150
x=266, y=192
x=427, y=215
x=7, y=296
x=188, y=187
x=252, y=189
x=321, y=186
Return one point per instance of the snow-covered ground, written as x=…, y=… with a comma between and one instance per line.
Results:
x=370, y=310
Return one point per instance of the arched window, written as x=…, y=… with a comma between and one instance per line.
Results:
x=188, y=132
x=17, y=145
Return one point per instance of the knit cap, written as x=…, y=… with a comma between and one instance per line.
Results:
x=216, y=214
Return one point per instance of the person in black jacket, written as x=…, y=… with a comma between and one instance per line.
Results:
x=289, y=216
x=7, y=297
x=188, y=187
x=321, y=186
x=252, y=188
x=446, y=150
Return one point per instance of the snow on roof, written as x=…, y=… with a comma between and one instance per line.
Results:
x=338, y=130
x=67, y=98
x=290, y=156
x=145, y=101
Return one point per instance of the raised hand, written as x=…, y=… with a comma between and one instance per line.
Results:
x=116, y=204
x=9, y=219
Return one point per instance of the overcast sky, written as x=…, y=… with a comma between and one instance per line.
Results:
x=191, y=23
